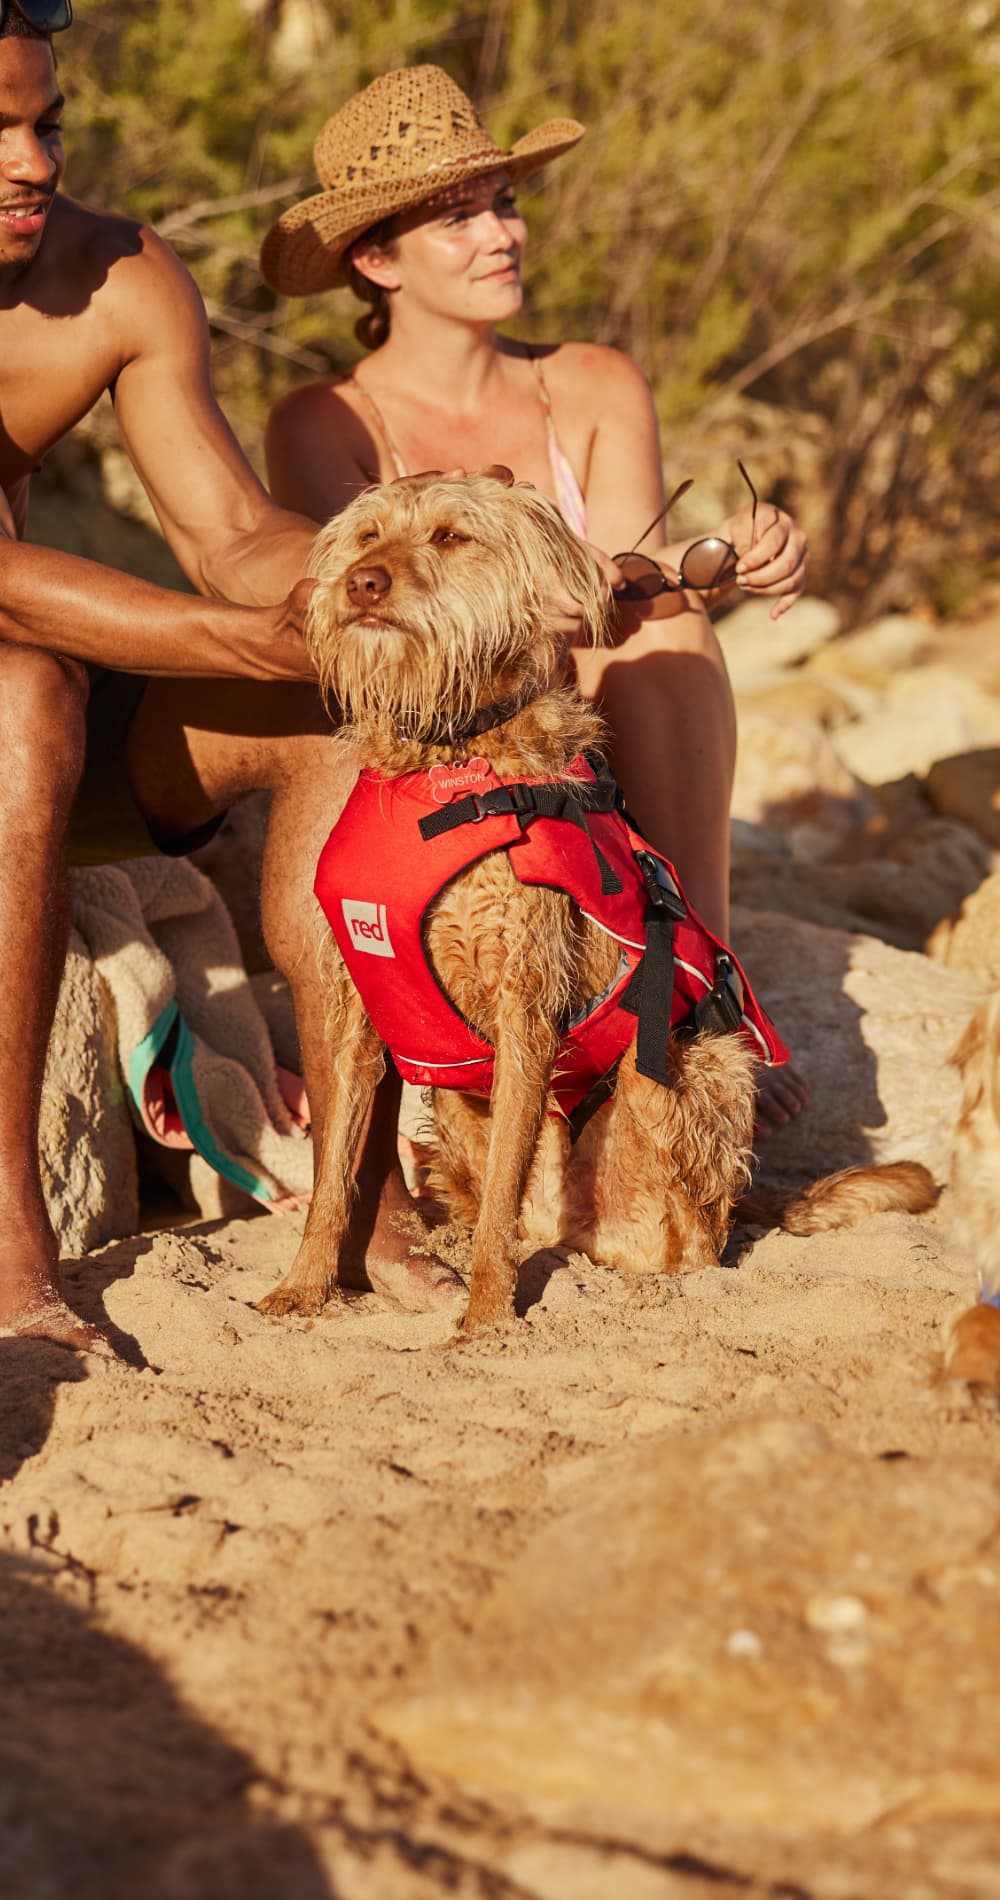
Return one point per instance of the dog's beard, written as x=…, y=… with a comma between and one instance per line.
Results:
x=436, y=656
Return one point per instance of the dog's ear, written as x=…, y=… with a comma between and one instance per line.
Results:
x=415, y=481
x=498, y=472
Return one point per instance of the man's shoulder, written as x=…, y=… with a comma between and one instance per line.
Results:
x=114, y=257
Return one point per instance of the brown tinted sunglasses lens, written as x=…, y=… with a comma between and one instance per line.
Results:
x=643, y=579
x=709, y=563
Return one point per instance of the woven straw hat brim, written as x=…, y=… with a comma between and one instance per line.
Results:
x=306, y=250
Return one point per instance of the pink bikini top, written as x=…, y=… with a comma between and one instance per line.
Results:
x=569, y=495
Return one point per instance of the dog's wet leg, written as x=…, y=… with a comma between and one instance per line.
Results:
x=355, y=1073
x=526, y=1048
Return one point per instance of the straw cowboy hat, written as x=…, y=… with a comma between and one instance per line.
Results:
x=407, y=137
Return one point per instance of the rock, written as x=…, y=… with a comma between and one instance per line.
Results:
x=86, y=1144
x=971, y=940
x=873, y=656
x=789, y=778
x=927, y=714
x=804, y=697
x=756, y=645
x=601, y=1683
x=871, y=1028
x=968, y=786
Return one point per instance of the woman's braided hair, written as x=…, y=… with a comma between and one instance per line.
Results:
x=372, y=328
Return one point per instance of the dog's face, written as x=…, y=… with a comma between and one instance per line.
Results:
x=436, y=595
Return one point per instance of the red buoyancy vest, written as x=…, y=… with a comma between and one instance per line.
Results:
x=378, y=875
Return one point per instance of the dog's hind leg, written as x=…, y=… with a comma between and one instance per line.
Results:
x=656, y=1173
x=526, y=1046
x=359, y=1061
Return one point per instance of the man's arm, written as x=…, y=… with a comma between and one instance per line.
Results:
x=226, y=532
x=67, y=605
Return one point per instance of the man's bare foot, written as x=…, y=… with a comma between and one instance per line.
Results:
x=384, y=1253
x=31, y=1307
x=781, y=1095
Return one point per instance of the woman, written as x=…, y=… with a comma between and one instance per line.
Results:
x=419, y=215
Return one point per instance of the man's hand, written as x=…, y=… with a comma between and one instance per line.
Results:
x=774, y=563
x=288, y=620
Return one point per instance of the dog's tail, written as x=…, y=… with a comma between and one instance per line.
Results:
x=842, y=1199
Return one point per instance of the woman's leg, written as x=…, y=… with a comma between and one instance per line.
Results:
x=665, y=693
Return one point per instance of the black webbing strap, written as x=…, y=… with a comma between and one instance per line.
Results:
x=569, y=800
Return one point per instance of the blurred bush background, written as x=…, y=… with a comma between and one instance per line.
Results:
x=789, y=216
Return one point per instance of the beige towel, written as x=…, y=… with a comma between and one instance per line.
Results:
x=194, y=1048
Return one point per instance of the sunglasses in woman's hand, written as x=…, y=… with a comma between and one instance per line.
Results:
x=707, y=564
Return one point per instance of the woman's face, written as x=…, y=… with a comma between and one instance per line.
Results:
x=458, y=255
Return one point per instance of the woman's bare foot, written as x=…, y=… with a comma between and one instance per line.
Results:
x=385, y=1253
x=781, y=1095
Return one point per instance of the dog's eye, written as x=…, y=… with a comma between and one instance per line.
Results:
x=447, y=538
x=365, y=540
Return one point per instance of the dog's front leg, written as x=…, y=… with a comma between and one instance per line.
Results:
x=358, y=1062
x=526, y=1048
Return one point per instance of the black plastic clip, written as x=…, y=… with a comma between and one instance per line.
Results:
x=661, y=891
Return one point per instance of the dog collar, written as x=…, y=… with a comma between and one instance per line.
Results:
x=456, y=731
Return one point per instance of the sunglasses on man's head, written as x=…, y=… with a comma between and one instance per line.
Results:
x=707, y=564
x=46, y=16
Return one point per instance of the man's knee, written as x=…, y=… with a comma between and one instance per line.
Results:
x=43, y=701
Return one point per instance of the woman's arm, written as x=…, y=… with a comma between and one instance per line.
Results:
x=624, y=489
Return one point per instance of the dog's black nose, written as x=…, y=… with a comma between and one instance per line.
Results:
x=367, y=584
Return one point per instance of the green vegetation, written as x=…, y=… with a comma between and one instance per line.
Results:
x=789, y=216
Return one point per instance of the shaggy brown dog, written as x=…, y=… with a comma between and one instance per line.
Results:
x=430, y=604
x=972, y=1348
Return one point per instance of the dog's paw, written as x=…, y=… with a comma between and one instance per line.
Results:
x=287, y=1298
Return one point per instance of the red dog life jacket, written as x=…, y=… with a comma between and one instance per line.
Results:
x=400, y=840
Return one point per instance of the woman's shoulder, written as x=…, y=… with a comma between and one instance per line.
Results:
x=310, y=405
x=592, y=371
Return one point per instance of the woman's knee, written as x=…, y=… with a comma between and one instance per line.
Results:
x=43, y=700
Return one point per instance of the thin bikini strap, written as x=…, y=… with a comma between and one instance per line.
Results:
x=381, y=425
x=569, y=495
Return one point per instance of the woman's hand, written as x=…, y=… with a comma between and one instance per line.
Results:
x=774, y=563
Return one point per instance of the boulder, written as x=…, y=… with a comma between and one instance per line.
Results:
x=873, y=656
x=927, y=714
x=755, y=645
x=970, y=941
x=744, y=1627
x=86, y=1144
x=871, y=1029
x=791, y=779
x=968, y=786
x=802, y=696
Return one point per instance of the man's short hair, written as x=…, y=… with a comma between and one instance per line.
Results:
x=14, y=26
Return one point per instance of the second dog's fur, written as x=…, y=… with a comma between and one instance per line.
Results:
x=432, y=599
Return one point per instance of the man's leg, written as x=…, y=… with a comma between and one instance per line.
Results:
x=193, y=748
x=42, y=701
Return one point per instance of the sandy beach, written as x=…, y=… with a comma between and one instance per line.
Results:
x=679, y=1589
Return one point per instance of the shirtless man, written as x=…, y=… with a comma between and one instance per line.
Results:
x=197, y=715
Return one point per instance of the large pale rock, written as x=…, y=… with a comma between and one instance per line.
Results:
x=873, y=656
x=971, y=941
x=893, y=883
x=755, y=645
x=86, y=1144
x=791, y=779
x=871, y=1028
x=712, y=1632
x=928, y=714
x=804, y=697
x=969, y=787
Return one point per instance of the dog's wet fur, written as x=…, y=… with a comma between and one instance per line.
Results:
x=431, y=599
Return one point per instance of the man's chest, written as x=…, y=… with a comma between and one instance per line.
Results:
x=52, y=371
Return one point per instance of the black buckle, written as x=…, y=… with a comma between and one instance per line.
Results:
x=504, y=801
x=661, y=891
x=721, y=1011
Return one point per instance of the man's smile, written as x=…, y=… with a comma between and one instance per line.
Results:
x=25, y=215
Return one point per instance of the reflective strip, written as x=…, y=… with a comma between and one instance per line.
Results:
x=629, y=941
x=467, y=1062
